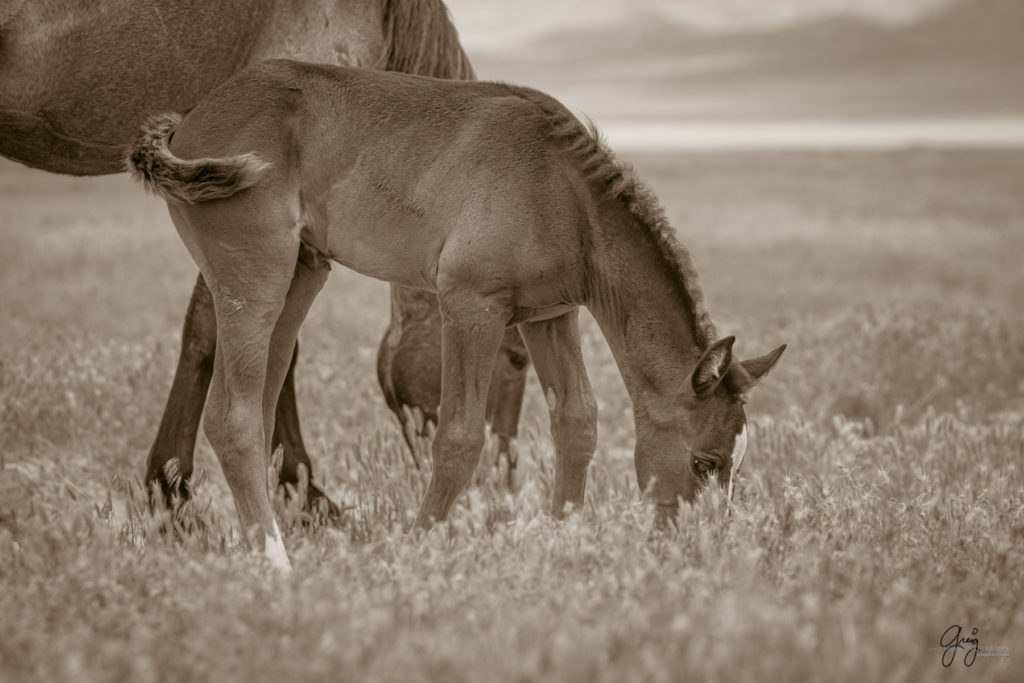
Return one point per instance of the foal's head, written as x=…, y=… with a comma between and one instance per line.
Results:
x=704, y=435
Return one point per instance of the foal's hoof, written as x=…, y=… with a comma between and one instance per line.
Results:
x=506, y=460
x=510, y=477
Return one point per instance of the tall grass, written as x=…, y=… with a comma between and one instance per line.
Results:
x=881, y=501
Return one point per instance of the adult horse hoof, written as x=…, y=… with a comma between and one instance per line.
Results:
x=166, y=487
x=320, y=506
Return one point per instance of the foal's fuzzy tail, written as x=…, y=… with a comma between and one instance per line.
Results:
x=186, y=181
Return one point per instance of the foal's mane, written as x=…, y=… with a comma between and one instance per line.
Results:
x=618, y=180
x=419, y=38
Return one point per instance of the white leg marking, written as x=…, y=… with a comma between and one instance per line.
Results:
x=738, y=450
x=274, y=551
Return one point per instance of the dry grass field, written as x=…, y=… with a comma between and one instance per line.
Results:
x=882, y=499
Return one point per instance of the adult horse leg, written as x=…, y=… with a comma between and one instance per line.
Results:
x=471, y=334
x=555, y=350
x=288, y=436
x=409, y=364
x=505, y=398
x=176, y=437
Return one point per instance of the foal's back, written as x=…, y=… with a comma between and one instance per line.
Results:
x=384, y=171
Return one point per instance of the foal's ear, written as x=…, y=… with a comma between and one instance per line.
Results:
x=759, y=367
x=743, y=378
x=712, y=366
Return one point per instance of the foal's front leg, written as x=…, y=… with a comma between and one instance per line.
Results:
x=505, y=398
x=554, y=347
x=471, y=332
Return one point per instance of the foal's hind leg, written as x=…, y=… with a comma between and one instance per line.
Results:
x=248, y=259
x=234, y=419
x=555, y=350
x=310, y=275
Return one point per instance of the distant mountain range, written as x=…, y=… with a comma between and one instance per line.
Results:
x=964, y=61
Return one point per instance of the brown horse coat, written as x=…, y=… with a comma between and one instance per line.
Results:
x=494, y=197
x=77, y=77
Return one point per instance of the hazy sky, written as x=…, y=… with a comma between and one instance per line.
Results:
x=499, y=23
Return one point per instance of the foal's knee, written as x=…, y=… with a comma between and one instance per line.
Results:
x=575, y=425
x=457, y=452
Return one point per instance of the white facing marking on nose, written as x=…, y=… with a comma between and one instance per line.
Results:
x=738, y=449
x=275, y=553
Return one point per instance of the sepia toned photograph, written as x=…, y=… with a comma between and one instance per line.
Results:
x=471, y=340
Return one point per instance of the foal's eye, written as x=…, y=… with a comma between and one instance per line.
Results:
x=705, y=465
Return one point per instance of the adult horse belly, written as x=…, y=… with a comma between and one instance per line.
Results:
x=33, y=141
x=78, y=76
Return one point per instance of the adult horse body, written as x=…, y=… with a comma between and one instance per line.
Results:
x=78, y=76
x=496, y=198
x=413, y=342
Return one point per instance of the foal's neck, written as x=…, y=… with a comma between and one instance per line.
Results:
x=638, y=299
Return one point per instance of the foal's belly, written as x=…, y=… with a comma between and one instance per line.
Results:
x=375, y=259
x=536, y=314
x=382, y=242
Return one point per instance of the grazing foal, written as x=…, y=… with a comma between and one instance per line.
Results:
x=493, y=196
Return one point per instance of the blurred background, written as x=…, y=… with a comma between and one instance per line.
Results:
x=849, y=179
x=737, y=73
